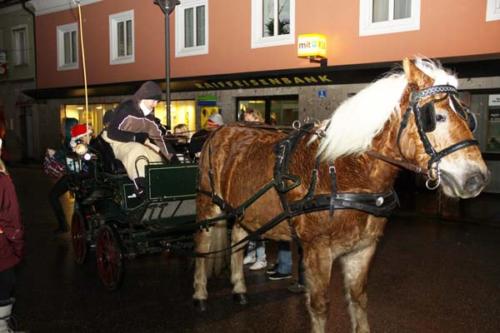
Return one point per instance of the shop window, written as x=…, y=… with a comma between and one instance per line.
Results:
x=388, y=16
x=93, y=117
x=191, y=28
x=181, y=112
x=67, y=46
x=273, y=22
x=20, y=45
x=492, y=10
x=493, y=132
x=276, y=110
x=121, y=37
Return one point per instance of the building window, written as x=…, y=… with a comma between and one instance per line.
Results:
x=388, y=16
x=191, y=28
x=67, y=46
x=492, y=10
x=121, y=37
x=20, y=45
x=273, y=22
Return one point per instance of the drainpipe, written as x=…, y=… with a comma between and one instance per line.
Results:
x=26, y=8
x=36, y=141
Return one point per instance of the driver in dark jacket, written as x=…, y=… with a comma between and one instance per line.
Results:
x=131, y=128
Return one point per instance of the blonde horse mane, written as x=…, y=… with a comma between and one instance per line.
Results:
x=360, y=118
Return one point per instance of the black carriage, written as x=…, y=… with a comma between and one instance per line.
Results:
x=112, y=219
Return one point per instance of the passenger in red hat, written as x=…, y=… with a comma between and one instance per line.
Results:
x=80, y=132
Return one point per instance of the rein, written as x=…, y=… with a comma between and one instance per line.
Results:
x=399, y=163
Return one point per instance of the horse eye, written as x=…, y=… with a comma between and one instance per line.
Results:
x=440, y=117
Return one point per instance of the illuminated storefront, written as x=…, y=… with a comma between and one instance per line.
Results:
x=93, y=117
x=182, y=112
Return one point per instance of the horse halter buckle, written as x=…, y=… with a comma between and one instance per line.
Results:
x=433, y=177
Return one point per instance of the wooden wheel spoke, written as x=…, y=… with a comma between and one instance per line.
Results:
x=109, y=257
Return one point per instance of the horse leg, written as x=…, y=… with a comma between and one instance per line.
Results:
x=318, y=260
x=203, y=240
x=237, y=274
x=355, y=267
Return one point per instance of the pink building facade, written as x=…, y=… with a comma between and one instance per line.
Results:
x=230, y=55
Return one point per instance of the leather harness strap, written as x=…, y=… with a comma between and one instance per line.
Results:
x=378, y=204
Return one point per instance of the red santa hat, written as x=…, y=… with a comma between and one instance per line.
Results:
x=78, y=131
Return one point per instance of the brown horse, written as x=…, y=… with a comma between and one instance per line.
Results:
x=410, y=117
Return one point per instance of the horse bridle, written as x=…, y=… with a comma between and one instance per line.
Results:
x=426, y=122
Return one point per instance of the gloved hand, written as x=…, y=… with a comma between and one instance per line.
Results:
x=140, y=137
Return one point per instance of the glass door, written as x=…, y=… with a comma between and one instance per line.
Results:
x=276, y=110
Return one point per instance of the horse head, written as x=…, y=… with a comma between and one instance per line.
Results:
x=435, y=131
x=413, y=118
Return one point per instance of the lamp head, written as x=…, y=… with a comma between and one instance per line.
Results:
x=167, y=6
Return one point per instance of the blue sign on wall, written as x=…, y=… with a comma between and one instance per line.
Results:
x=322, y=93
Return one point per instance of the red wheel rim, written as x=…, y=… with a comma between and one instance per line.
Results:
x=79, y=237
x=109, y=258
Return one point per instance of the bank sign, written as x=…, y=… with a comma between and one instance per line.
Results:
x=265, y=82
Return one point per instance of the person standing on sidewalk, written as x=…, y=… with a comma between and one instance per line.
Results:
x=256, y=252
x=282, y=269
x=11, y=244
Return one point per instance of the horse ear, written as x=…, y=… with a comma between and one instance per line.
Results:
x=414, y=75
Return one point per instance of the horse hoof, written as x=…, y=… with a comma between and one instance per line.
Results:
x=200, y=305
x=240, y=299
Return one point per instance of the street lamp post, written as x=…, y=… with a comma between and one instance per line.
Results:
x=167, y=7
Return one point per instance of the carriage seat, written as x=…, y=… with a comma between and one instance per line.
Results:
x=110, y=163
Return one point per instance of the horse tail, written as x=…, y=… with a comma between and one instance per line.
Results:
x=214, y=241
x=216, y=262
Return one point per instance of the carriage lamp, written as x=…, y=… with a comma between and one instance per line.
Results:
x=312, y=47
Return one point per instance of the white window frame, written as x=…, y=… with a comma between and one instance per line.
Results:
x=258, y=40
x=114, y=58
x=180, y=50
x=16, y=51
x=60, y=31
x=492, y=10
x=369, y=28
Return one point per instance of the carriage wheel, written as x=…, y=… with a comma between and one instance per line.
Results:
x=79, y=237
x=109, y=257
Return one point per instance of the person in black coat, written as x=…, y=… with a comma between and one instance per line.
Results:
x=131, y=128
x=198, y=139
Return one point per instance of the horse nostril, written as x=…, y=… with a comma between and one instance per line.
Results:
x=475, y=182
